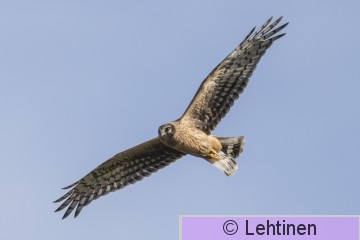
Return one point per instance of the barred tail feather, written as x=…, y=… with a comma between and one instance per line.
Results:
x=226, y=163
x=232, y=147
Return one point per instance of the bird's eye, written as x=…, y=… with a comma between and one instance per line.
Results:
x=167, y=129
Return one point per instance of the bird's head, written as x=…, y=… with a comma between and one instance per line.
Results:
x=166, y=132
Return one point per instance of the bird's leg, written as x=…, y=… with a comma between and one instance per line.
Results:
x=213, y=154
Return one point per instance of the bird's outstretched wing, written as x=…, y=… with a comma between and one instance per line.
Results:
x=119, y=171
x=222, y=87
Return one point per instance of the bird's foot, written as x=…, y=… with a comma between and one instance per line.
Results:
x=213, y=155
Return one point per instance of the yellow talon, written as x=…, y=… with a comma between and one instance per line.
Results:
x=213, y=154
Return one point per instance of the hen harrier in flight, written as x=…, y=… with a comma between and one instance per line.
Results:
x=190, y=134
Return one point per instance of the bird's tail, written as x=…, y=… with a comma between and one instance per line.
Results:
x=231, y=149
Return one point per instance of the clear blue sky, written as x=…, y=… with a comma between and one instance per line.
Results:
x=83, y=80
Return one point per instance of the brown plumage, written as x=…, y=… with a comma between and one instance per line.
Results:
x=228, y=80
x=188, y=135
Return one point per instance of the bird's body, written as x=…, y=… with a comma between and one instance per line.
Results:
x=190, y=134
x=191, y=140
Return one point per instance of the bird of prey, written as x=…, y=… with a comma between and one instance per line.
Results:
x=190, y=134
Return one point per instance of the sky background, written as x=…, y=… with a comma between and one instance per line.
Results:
x=83, y=80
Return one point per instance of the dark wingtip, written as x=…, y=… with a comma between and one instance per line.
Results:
x=67, y=213
x=267, y=22
x=78, y=210
x=285, y=24
x=70, y=186
x=64, y=196
x=276, y=22
x=278, y=36
x=58, y=209
x=58, y=200
x=252, y=30
x=248, y=35
x=267, y=34
x=76, y=214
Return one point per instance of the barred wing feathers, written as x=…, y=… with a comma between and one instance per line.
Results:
x=119, y=171
x=223, y=85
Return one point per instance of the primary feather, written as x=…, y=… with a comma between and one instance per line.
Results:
x=227, y=81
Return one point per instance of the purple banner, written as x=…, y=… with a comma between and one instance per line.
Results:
x=269, y=228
